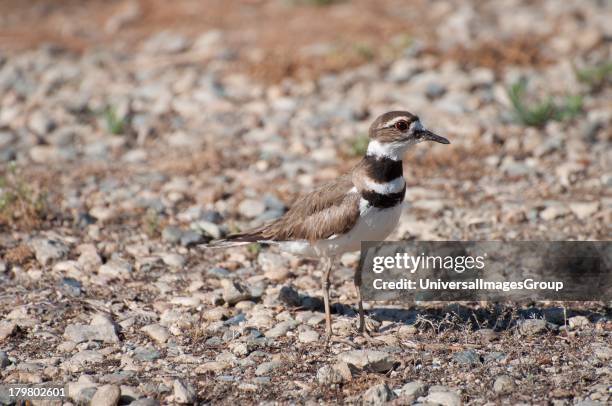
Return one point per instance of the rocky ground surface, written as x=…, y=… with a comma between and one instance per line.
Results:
x=117, y=164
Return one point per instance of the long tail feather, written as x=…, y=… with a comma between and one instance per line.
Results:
x=235, y=240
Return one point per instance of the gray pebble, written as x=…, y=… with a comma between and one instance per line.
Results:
x=503, y=384
x=378, y=395
x=106, y=395
x=268, y=367
x=368, y=360
x=184, y=392
x=171, y=234
x=532, y=326
x=251, y=208
x=48, y=250
x=468, y=357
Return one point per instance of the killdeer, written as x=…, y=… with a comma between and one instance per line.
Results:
x=363, y=205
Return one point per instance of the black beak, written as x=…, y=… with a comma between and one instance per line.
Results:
x=429, y=136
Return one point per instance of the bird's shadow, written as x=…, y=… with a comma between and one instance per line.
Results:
x=496, y=316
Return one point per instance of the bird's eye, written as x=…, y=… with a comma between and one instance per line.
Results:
x=401, y=125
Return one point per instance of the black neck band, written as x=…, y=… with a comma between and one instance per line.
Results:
x=383, y=169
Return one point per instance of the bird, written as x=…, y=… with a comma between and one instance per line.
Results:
x=364, y=204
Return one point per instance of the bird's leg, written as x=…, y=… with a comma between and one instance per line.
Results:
x=326, y=284
x=357, y=280
x=361, y=328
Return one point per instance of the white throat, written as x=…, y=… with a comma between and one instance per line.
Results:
x=391, y=150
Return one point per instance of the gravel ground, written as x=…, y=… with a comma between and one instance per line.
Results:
x=116, y=165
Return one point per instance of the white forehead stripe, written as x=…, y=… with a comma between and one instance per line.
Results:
x=394, y=186
x=396, y=119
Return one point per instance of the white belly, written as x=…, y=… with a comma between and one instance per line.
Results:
x=373, y=225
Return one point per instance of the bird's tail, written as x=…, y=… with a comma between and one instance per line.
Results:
x=238, y=239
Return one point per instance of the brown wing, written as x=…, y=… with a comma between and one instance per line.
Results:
x=325, y=211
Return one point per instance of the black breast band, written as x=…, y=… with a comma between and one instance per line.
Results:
x=384, y=201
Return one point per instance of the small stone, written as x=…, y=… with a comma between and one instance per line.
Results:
x=216, y=314
x=207, y=228
x=281, y=329
x=71, y=286
x=157, y=332
x=602, y=351
x=577, y=322
x=82, y=391
x=308, y=336
x=444, y=398
x=240, y=349
x=171, y=234
x=275, y=266
x=173, y=260
x=103, y=213
x=106, y=395
x=584, y=210
x=190, y=238
x=414, y=389
x=7, y=329
x=86, y=357
x=251, y=208
x=569, y=172
x=468, y=357
x=166, y=42
x=434, y=90
x=334, y=374
x=236, y=320
x=116, y=268
x=234, y=292
x=48, y=250
x=219, y=273
x=213, y=366
x=532, y=326
x=407, y=330
x=89, y=260
x=369, y=360
x=4, y=360
x=503, y=384
x=187, y=301
x=184, y=392
x=146, y=354
x=268, y=367
x=79, y=333
x=289, y=296
x=402, y=70
x=554, y=211
x=378, y=395
x=66, y=346
x=40, y=123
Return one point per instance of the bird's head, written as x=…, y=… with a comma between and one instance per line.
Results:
x=392, y=133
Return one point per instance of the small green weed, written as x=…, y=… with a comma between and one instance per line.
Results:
x=540, y=112
x=254, y=248
x=114, y=124
x=152, y=223
x=595, y=76
x=365, y=51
